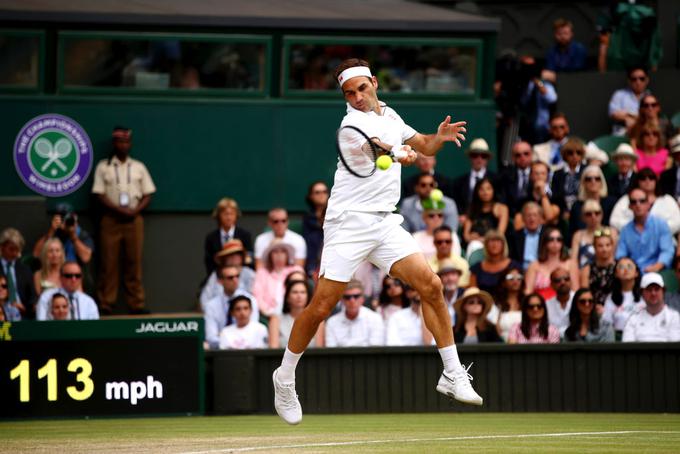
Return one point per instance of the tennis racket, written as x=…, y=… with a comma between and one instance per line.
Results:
x=358, y=152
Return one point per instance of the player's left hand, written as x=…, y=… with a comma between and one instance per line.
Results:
x=410, y=158
x=451, y=132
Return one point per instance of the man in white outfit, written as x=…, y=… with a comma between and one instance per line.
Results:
x=356, y=325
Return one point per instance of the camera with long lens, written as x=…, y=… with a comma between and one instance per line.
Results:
x=69, y=220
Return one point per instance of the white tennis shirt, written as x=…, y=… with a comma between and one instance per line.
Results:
x=382, y=190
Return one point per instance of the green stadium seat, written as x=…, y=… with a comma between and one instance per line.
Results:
x=675, y=120
x=670, y=280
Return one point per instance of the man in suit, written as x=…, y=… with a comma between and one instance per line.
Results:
x=426, y=164
x=625, y=158
x=463, y=186
x=523, y=243
x=670, y=178
x=515, y=178
x=21, y=291
x=226, y=213
x=566, y=181
x=549, y=152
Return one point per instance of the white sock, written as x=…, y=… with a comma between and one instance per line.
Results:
x=288, y=365
x=450, y=358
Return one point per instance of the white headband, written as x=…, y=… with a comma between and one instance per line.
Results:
x=354, y=71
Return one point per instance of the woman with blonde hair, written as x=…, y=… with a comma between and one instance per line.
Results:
x=52, y=257
x=487, y=274
x=651, y=149
x=226, y=213
x=582, y=249
x=592, y=186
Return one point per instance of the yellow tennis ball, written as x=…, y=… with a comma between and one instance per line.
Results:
x=383, y=162
x=436, y=195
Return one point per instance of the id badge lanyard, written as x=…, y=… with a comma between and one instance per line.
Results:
x=124, y=197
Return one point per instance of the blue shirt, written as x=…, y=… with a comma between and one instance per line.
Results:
x=571, y=58
x=530, y=253
x=653, y=245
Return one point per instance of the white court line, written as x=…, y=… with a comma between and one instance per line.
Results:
x=419, y=440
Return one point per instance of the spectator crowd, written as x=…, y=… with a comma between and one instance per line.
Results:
x=566, y=242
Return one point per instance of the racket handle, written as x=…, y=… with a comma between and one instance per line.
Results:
x=399, y=152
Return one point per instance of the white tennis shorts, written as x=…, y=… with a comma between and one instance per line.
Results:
x=357, y=236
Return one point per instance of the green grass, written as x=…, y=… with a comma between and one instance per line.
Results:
x=393, y=433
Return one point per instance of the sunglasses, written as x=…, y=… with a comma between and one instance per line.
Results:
x=638, y=79
x=589, y=179
x=478, y=155
x=592, y=213
x=625, y=266
x=558, y=126
x=472, y=301
x=71, y=275
x=320, y=191
x=647, y=105
x=279, y=221
x=650, y=133
x=435, y=215
x=586, y=301
x=646, y=177
x=638, y=201
x=426, y=185
x=3, y=285
x=352, y=296
x=392, y=285
x=519, y=155
x=561, y=279
x=555, y=239
x=443, y=241
x=573, y=152
x=535, y=307
x=513, y=277
x=602, y=232
x=230, y=278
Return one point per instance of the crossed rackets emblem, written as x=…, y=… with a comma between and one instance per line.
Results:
x=53, y=153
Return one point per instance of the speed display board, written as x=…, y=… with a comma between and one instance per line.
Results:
x=102, y=367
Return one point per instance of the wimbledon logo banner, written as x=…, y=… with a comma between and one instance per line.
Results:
x=53, y=155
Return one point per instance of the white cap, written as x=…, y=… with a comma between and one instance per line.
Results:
x=650, y=279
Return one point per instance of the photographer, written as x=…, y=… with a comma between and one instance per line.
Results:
x=78, y=244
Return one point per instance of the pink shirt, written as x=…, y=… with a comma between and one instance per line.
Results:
x=268, y=288
x=656, y=162
x=515, y=335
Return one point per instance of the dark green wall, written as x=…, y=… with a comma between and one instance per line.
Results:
x=263, y=152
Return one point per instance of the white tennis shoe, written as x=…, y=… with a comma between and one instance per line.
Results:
x=457, y=386
x=286, y=401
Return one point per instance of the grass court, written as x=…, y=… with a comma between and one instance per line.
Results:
x=393, y=433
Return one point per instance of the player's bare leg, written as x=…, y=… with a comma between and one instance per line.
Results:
x=455, y=380
x=326, y=296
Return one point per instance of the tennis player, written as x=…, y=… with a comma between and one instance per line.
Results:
x=360, y=225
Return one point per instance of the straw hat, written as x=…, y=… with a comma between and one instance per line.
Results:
x=479, y=146
x=447, y=265
x=470, y=292
x=278, y=243
x=625, y=150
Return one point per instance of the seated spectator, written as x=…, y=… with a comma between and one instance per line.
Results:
x=19, y=276
x=566, y=55
x=534, y=327
x=312, y=224
x=508, y=298
x=646, y=239
x=592, y=186
x=450, y=273
x=536, y=101
x=599, y=274
x=624, y=104
x=552, y=254
x=447, y=245
x=584, y=323
x=672, y=299
x=82, y=305
x=60, y=307
x=650, y=112
x=472, y=326
x=485, y=213
x=411, y=208
x=433, y=217
x=356, y=325
x=77, y=242
x=559, y=305
x=549, y=152
x=426, y=164
x=487, y=274
x=10, y=312
x=479, y=155
x=565, y=181
x=231, y=254
x=582, y=248
x=514, y=180
x=625, y=158
x=277, y=262
x=406, y=327
x=51, y=260
x=244, y=333
x=392, y=298
x=278, y=222
x=524, y=242
x=540, y=193
x=651, y=149
x=226, y=213
x=216, y=309
x=371, y=278
x=670, y=177
x=663, y=206
x=656, y=322
x=297, y=297
x=625, y=297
